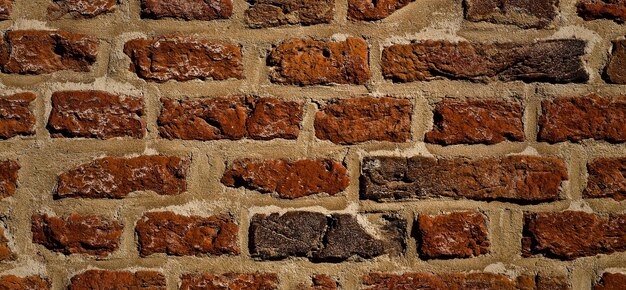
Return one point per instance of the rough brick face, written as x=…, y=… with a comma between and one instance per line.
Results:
x=307, y=62
x=162, y=59
x=569, y=235
x=264, y=281
x=321, y=282
x=81, y=8
x=611, y=281
x=101, y=279
x=43, y=52
x=522, y=179
x=527, y=14
x=595, y=118
x=271, y=13
x=8, y=177
x=602, y=9
x=96, y=114
x=454, y=235
x=177, y=235
x=6, y=6
x=288, y=179
x=476, y=122
x=16, y=117
x=616, y=69
x=6, y=254
x=231, y=118
x=187, y=9
x=554, y=61
x=370, y=10
x=11, y=282
x=77, y=234
x=358, y=120
x=112, y=177
x=383, y=281
x=607, y=178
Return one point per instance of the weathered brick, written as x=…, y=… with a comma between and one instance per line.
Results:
x=6, y=253
x=476, y=122
x=102, y=279
x=6, y=6
x=602, y=9
x=178, y=235
x=384, y=281
x=320, y=237
x=552, y=283
x=607, y=178
x=80, y=8
x=11, y=282
x=572, y=234
x=8, y=177
x=261, y=281
x=594, y=117
x=43, y=52
x=616, y=69
x=611, y=281
x=526, y=14
x=184, y=59
x=230, y=118
x=187, y=9
x=454, y=235
x=112, y=177
x=307, y=62
x=96, y=114
x=521, y=179
x=288, y=179
x=554, y=61
x=357, y=120
x=321, y=282
x=77, y=234
x=370, y=10
x=16, y=117
x=271, y=13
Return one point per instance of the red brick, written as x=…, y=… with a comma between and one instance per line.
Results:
x=80, y=8
x=607, y=178
x=526, y=14
x=184, y=59
x=307, y=62
x=43, y=52
x=370, y=10
x=384, y=281
x=552, y=283
x=6, y=254
x=594, y=117
x=8, y=177
x=16, y=117
x=230, y=118
x=571, y=234
x=112, y=177
x=11, y=282
x=553, y=61
x=289, y=179
x=177, y=235
x=321, y=282
x=96, y=114
x=102, y=279
x=616, y=69
x=235, y=281
x=271, y=13
x=358, y=120
x=187, y=9
x=602, y=9
x=454, y=235
x=5, y=9
x=476, y=122
x=611, y=281
x=77, y=234
x=520, y=179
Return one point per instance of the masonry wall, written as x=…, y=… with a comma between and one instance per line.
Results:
x=348, y=144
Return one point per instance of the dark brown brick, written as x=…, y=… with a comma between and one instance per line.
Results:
x=170, y=58
x=288, y=179
x=307, y=62
x=16, y=117
x=6, y=6
x=261, y=281
x=526, y=14
x=552, y=283
x=356, y=120
x=177, y=235
x=476, y=122
x=370, y=10
x=454, y=235
x=187, y=9
x=6, y=254
x=607, y=178
x=80, y=8
x=595, y=118
x=271, y=13
x=553, y=61
x=384, y=281
x=8, y=177
x=520, y=179
x=321, y=282
x=571, y=234
x=43, y=52
x=96, y=114
x=602, y=9
x=611, y=281
x=112, y=177
x=11, y=282
x=616, y=68
x=77, y=234
x=230, y=118
x=102, y=279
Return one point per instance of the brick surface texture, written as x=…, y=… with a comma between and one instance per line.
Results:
x=312, y=144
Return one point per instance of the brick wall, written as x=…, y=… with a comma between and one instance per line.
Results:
x=328, y=144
